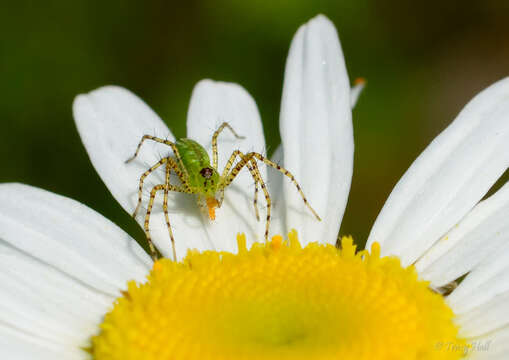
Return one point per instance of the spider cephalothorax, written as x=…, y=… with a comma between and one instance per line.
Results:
x=197, y=175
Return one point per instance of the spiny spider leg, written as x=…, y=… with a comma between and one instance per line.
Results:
x=165, y=205
x=253, y=168
x=255, y=200
x=247, y=157
x=155, y=189
x=171, y=162
x=153, y=251
x=161, y=141
x=142, y=179
x=214, y=141
x=255, y=173
x=221, y=197
x=267, y=199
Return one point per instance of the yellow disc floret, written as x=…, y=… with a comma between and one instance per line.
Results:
x=279, y=301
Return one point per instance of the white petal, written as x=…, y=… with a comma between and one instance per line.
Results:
x=316, y=131
x=492, y=346
x=275, y=184
x=485, y=318
x=448, y=178
x=478, y=235
x=47, y=304
x=111, y=122
x=213, y=103
x=70, y=237
x=15, y=345
x=488, y=280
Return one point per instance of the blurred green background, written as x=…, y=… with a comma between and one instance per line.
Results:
x=423, y=62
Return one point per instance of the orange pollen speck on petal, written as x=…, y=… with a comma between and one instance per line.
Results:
x=359, y=81
x=211, y=205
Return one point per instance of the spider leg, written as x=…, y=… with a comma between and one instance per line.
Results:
x=252, y=167
x=169, y=161
x=153, y=251
x=161, y=141
x=288, y=175
x=251, y=164
x=255, y=199
x=166, y=187
x=214, y=141
x=272, y=164
x=169, y=166
x=267, y=200
x=142, y=179
x=221, y=197
x=255, y=202
x=229, y=164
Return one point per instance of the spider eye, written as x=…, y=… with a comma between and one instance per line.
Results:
x=206, y=172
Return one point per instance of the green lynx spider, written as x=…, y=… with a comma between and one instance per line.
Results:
x=191, y=164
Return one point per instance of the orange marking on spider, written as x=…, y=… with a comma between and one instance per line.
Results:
x=198, y=176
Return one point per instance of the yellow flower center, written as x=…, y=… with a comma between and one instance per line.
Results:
x=279, y=301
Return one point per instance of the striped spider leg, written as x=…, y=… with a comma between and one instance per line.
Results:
x=249, y=160
x=171, y=164
x=180, y=171
x=191, y=164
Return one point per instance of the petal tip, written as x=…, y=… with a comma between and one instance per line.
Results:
x=103, y=91
x=108, y=90
x=320, y=19
x=320, y=23
x=76, y=103
x=205, y=83
x=210, y=84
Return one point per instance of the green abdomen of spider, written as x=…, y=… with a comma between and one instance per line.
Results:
x=203, y=178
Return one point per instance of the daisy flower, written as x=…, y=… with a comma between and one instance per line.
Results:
x=75, y=286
